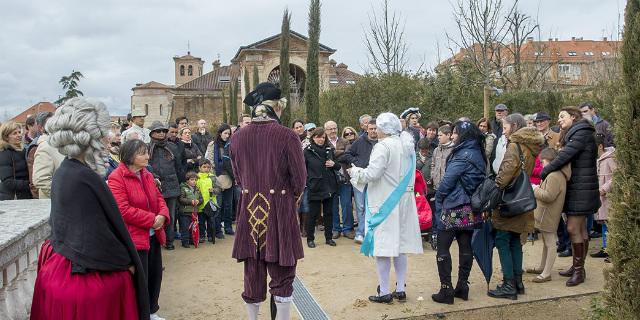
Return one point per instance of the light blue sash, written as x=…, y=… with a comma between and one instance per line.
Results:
x=386, y=208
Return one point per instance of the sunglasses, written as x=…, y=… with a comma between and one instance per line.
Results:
x=349, y=134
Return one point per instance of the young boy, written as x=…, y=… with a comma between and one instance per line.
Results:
x=208, y=211
x=440, y=154
x=550, y=200
x=606, y=166
x=190, y=198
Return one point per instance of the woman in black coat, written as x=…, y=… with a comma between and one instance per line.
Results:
x=322, y=184
x=583, y=196
x=14, y=176
x=191, y=151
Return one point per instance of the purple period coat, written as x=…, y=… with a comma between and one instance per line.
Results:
x=268, y=165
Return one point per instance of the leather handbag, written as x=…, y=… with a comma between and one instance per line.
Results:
x=486, y=197
x=518, y=198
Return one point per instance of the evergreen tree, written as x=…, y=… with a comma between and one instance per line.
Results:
x=247, y=88
x=284, y=66
x=256, y=76
x=623, y=280
x=312, y=86
x=233, y=102
x=70, y=83
x=225, y=118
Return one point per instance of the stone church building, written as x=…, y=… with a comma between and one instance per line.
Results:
x=200, y=96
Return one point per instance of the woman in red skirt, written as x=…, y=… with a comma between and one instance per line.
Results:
x=89, y=267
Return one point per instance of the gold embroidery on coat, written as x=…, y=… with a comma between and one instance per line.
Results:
x=258, y=225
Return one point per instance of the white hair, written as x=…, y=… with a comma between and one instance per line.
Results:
x=389, y=123
x=77, y=128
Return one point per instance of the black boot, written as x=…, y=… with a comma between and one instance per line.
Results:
x=506, y=290
x=519, y=284
x=445, y=295
x=462, y=290
x=464, y=269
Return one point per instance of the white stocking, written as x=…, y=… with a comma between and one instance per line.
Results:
x=252, y=309
x=283, y=305
x=384, y=266
x=400, y=265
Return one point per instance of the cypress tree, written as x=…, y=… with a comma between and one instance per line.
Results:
x=233, y=102
x=312, y=85
x=623, y=280
x=256, y=76
x=247, y=88
x=284, y=66
x=225, y=117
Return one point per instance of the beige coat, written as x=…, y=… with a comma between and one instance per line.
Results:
x=606, y=167
x=550, y=199
x=439, y=163
x=530, y=141
x=47, y=160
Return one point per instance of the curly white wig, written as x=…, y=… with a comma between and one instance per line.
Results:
x=77, y=129
x=390, y=124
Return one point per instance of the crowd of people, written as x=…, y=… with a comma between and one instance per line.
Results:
x=149, y=185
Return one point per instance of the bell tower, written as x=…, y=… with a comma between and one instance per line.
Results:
x=187, y=68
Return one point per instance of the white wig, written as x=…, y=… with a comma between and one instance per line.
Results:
x=77, y=129
x=390, y=124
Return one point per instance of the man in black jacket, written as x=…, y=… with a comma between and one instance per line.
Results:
x=202, y=137
x=358, y=155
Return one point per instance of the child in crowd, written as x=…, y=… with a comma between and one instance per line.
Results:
x=208, y=211
x=190, y=198
x=606, y=166
x=440, y=154
x=550, y=196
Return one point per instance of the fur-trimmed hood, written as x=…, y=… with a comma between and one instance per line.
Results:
x=6, y=146
x=527, y=135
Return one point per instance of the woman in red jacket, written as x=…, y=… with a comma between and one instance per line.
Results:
x=144, y=212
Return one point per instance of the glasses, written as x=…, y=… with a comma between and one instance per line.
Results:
x=349, y=134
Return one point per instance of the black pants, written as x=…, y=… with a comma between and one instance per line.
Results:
x=152, y=264
x=465, y=253
x=206, y=223
x=564, y=242
x=171, y=227
x=327, y=215
x=185, y=234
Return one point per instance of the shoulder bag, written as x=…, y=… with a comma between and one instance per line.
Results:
x=518, y=198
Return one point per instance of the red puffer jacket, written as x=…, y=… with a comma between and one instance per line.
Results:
x=140, y=202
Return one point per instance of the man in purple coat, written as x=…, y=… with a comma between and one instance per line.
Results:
x=269, y=167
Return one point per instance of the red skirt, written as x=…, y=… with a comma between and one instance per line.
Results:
x=58, y=294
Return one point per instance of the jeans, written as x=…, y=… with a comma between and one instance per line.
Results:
x=510, y=251
x=206, y=223
x=344, y=201
x=227, y=208
x=358, y=196
x=304, y=202
x=589, y=223
x=170, y=227
x=564, y=242
x=185, y=233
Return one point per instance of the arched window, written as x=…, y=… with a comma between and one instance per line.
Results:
x=146, y=109
x=182, y=70
x=190, y=70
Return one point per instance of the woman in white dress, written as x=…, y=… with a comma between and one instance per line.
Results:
x=392, y=229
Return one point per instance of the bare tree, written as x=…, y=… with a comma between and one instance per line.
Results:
x=482, y=30
x=385, y=41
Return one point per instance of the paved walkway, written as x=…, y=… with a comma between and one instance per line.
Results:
x=205, y=283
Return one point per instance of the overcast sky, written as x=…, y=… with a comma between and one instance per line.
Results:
x=118, y=43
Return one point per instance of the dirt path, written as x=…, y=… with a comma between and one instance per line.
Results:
x=206, y=283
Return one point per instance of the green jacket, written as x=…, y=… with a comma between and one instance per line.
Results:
x=187, y=194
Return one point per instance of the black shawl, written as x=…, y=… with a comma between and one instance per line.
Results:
x=87, y=227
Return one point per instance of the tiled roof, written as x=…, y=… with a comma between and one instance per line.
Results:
x=215, y=80
x=152, y=85
x=344, y=77
x=33, y=110
x=255, y=45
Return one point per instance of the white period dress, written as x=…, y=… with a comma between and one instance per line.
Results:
x=389, y=163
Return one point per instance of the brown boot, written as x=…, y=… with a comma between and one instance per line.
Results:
x=578, y=265
x=585, y=253
x=568, y=272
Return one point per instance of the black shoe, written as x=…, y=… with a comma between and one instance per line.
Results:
x=595, y=234
x=566, y=253
x=311, y=244
x=560, y=249
x=507, y=290
x=400, y=296
x=599, y=254
x=212, y=240
x=331, y=243
x=169, y=246
x=186, y=245
x=220, y=235
x=445, y=295
x=201, y=240
x=519, y=284
x=387, y=298
x=462, y=290
x=229, y=231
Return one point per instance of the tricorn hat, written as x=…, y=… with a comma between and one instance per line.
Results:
x=406, y=113
x=262, y=92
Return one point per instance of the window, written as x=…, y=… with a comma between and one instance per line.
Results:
x=351, y=82
x=605, y=53
x=588, y=53
x=572, y=53
x=224, y=78
x=539, y=53
x=182, y=70
x=334, y=81
x=146, y=109
x=161, y=109
x=190, y=70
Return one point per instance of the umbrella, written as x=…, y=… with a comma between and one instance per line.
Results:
x=482, y=244
x=195, y=232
